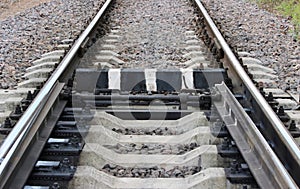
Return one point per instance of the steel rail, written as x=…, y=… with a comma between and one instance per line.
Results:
x=254, y=148
x=279, y=128
x=20, y=130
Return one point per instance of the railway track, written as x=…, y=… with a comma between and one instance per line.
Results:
x=197, y=122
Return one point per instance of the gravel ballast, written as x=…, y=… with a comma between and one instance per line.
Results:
x=152, y=33
x=26, y=36
x=265, y=35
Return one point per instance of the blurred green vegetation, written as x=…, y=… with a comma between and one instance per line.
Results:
x=289, y=8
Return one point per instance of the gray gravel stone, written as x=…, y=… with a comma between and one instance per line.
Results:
x=152, y=33
x=264, y=34
x=134, y=131
x=25, y=37
x=152, y=172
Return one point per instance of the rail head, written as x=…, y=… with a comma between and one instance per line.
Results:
x=19, y=132
x=287, y=143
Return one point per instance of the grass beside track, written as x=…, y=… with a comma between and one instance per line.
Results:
x=289, y=8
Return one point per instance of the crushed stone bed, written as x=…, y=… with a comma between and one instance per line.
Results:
x=263, y=34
